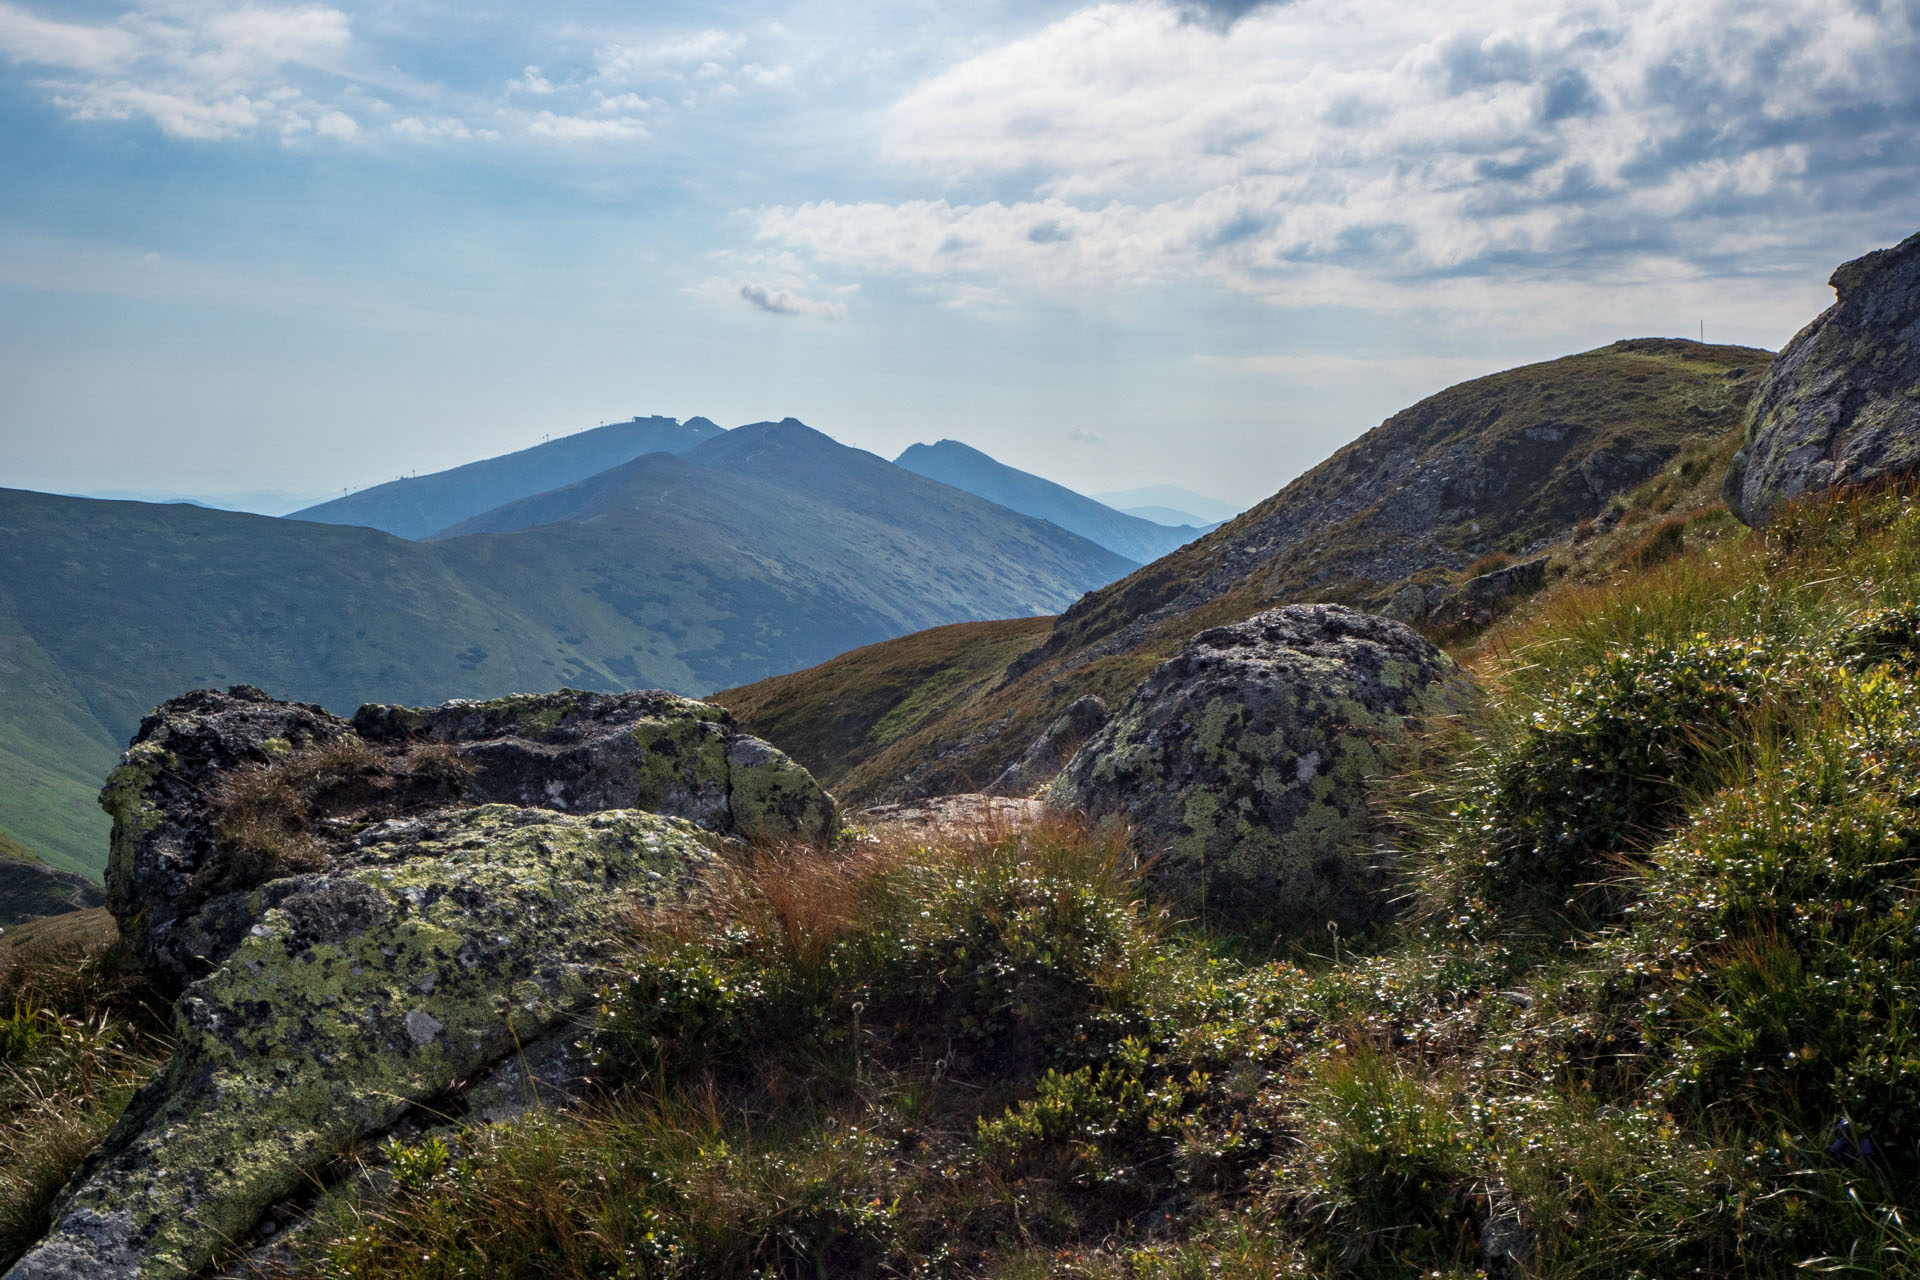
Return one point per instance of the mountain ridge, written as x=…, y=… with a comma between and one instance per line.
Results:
x=420, y=506
x=964, y=467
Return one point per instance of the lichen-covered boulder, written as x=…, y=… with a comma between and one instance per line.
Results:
x=1841, y=404
x=1244, y=763
x=454, y=938
x=222, y=792
x=1042, y=761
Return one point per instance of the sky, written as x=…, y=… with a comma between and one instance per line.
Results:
x=285, y=249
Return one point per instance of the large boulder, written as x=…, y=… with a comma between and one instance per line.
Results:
x=353, y=995
x=362, y=916
x=223, y=792
x=1244, y=763
x=1841, y=404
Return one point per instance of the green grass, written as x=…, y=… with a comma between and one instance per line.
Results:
x=77, y=1036
x=1688, y=1042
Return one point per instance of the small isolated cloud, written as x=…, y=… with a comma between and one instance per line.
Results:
x=1080, y=435
x=338, y=125
x=785, y=302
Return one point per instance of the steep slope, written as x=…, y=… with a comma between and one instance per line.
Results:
x=422, y=505
x=1508, y=463
x=964, y=467
x=31, y=888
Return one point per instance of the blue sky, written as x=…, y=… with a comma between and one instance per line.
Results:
x=304, y=247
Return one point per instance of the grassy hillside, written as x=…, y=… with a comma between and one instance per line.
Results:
x=30, y=888
x=856, y=705
x=419, y=506
x=672, y=575
x=1659, y=1023
x=1507, y=465
x=963, y=467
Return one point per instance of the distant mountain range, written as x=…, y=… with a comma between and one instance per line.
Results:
x=964, y=467
x=420, y=506
x=754, y=551
x=1172, y=504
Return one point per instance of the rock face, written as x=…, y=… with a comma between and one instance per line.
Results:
x=1042, y=762
x=1841, y=404
x=364, y=916
x=222, y=792
x=1244, y=762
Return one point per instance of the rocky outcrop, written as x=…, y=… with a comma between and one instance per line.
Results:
x=1041, y=763
x=366, y=915
x=223, y=792
x=1841, y=404
x=1244, y=763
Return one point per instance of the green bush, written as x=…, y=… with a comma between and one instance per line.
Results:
x=1605, y=766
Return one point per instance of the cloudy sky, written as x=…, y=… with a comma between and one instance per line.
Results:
x=302, y=247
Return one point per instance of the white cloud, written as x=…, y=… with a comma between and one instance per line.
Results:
x=338, y=125
x=531, y=81
x=197, y=71
x=674, y=57
x=565, y=128
x=786, y=302
x=1080, y=435
x=1370, y=151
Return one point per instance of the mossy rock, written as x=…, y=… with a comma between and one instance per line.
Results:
x=1245, y=764
x=223, y=792
x=353, y=996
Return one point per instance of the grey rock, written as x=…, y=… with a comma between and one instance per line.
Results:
x=498, y=927
x=1841, y=404
x=1042, y=761
x=220, y=793
x=1244, y=764
x=1521, y=579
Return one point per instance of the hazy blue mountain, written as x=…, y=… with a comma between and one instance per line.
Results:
x=965, y=467
x=1179, y=501
x=1169, y=516
x=776, y=552
x=420, y=506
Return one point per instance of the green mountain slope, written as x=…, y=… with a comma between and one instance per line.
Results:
x=422, y=505
x=31, y=888
x=964, y=467
x=660, y=573
x=1503, y=464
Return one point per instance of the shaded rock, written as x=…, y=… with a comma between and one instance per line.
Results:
x=355, y=994
x=1841, y=403
x=1042, y=761
x=223, y=792
x=972, y=814
x=1522, y=579
x=1408, y=604
x=1244, y=762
